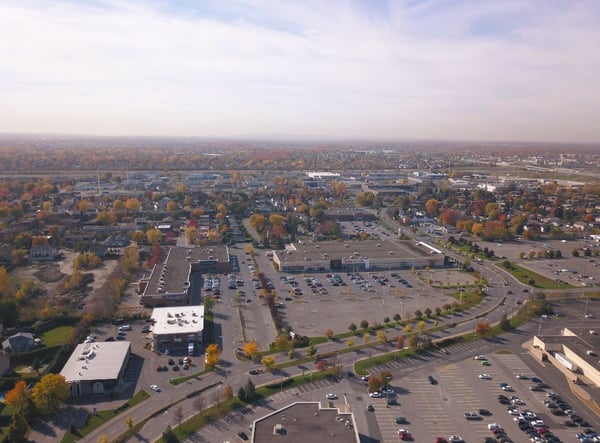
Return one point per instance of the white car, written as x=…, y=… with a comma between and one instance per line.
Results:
x=376, y=394
x=479, y=357
x=365, y=377
x=155, y=388
x=485, y=376
x=455, y=439
x=331, y=396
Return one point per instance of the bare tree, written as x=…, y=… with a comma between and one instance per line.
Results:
x=199, y=404
x=178, y=414
x=216, y=398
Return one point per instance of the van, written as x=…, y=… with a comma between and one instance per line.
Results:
x=190, y=348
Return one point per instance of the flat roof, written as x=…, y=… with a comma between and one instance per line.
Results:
x=96, y=361
x=173, y=274
x=303, y=422
x=372, y=249
x=178, y=320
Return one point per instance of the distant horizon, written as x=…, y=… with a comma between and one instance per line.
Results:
x=503, y=70
x=282, y=138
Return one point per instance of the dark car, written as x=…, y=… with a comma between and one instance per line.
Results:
x=485, y=412
x=171, y=362
x=432, y=380
x=370, y=408
x=401, y=420
x=110, y=339
x=242, y=435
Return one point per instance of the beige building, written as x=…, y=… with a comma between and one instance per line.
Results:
x=352, y=256
x=576, y=352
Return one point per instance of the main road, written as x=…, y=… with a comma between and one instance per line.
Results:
x=235, y=372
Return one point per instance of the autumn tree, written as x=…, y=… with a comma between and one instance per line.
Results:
x=3, y=278
x=50, y=393
x=268, y=361
x=154, y=236
x=227, y=392
x=133, y=205
x=257, y=221
x=129, y=423
x=339, y=188
x=191, y=233
x=283, y=343
x=321, y=364
x=328, y=333
x=400, y=342
x=212, y=355
x=18, y=399
x=483, y=329
x=250, y=349
x=431, y=206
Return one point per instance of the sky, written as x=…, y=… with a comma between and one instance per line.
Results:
x=522, y=70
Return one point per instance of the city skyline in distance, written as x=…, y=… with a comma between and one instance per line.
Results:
x=430, y=70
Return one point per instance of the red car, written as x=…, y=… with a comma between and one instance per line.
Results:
x=440, y=440
x=404, y=435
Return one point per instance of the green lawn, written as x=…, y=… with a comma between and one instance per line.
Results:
x=102, y=417
x=57, y=336
x=540, y=281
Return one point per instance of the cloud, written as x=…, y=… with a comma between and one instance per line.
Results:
x=447, y=69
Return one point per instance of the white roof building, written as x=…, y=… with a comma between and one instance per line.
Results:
x=94, y=368
x=177, y=325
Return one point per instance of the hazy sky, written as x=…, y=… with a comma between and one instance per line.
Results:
x=481, y=69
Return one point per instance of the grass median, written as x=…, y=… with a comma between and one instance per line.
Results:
x=101, y=417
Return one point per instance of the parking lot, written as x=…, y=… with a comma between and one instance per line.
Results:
x=438, y=410
x=312, y=303
x=579, y=271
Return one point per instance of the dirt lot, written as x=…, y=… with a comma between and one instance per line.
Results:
x=49, y=275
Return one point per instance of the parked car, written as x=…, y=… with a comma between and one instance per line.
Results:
x=331, y=396
x=472, y=416
x=404, y=435
x=155, y=388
